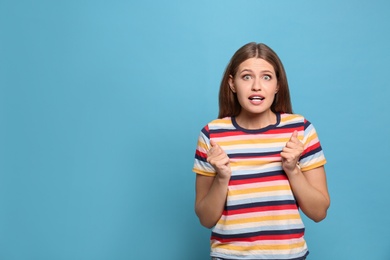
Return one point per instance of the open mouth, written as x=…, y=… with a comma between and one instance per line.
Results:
x=256, y=98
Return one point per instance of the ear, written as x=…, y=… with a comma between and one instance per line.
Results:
x=231, y=84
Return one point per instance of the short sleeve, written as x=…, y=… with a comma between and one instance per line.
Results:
x=201, y=166
x=313, y=155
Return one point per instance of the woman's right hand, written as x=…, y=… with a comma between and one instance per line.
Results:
x=211, y=192
x=217, y=157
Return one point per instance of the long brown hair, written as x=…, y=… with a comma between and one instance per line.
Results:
x=228, y=102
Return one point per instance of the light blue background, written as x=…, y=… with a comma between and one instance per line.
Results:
x=101, y=103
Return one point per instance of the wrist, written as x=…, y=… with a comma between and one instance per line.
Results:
x=223, y=178
x=295, y=171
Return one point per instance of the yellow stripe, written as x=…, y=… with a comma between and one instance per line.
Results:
x=227, y=121
x=260, y=219
x=311, y=138
x=211, y=174
x=315, y=165
x=291, y=117
x=203, y=145
x=250, y=163
x=259, y=189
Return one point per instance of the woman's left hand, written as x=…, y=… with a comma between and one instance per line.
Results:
x=291, y=153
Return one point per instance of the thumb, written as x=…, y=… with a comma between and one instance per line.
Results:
x=295, y=134
x=213, y=143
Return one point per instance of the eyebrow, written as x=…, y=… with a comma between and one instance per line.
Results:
x=263, y=71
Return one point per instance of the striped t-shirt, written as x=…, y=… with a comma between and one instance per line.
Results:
x=261, y=218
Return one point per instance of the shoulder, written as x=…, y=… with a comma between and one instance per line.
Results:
x=287, y=119
x=217, y=125
x=295, y=120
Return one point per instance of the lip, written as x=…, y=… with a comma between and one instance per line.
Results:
x=256, y=101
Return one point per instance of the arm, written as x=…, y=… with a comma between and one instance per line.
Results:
x=211, y=192
x=311, y=191
x=309, y=187
x=210, y=200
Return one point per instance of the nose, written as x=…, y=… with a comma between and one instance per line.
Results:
x=256, y=85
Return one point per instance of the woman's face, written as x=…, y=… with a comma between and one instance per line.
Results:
x=255, y=84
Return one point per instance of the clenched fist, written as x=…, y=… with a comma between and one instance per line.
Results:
x=217, y=157
x=291, y=153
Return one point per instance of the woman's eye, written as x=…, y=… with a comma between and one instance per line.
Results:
x=267, y=77
x=246, y=77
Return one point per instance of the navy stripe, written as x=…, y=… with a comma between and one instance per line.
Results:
x=222, y=130
x=295, y=125
x=200, y=158
x=262, y=204
x=205, y=132
x=318, y=149
x=307, y=124
x=244, y=155
x=257, y=175
x=261, y=233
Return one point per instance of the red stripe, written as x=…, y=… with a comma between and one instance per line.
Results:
x=311, y=148
x=232, y=133
x=259, y=209
x=257, y=180
x=284, y=130
x=269, y=132
x=203, y=155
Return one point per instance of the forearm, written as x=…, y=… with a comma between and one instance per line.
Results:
x=209, y=209
x=311, y=200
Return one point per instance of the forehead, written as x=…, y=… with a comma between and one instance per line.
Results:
x=256, y=64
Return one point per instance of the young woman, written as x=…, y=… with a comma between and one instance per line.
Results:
x=257, y=164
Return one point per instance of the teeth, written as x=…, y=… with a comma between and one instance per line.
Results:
x=257, y=98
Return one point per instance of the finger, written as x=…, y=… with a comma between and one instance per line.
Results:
x=290, y=144
x=221, y=161
x=288, y=155
x=218, y=160
x=293, y=149
x=288, y=150
x=212, y=142
x=215, y=149
x=294, y=146
x=213, y=145
x=294, y=136
x=286, y=159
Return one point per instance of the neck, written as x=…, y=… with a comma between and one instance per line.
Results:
x=256, y=121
